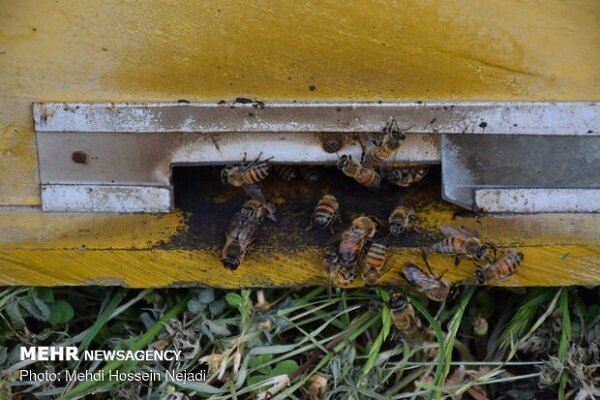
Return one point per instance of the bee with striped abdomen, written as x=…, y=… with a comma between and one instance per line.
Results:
x=404, y=317
x=326, y=212
x=406, y=176
x=351, y=246
x=504, y=267
x=342, y=266
x=353, y=240
x=365, y=176
x=286, y=172
x=464, y=243
x=432, y=286
x=389, y=143
x=246, y=173
x=374, y=264
x=401, y=220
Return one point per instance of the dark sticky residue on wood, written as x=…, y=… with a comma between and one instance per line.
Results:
x=208, y=206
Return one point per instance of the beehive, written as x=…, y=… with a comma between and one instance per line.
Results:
x=152, y=51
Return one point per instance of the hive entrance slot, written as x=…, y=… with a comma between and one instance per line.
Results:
x=208, y=206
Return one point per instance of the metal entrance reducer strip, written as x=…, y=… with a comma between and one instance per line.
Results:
x=110, y=157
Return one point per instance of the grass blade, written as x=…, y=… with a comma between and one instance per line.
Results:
x=565, y=338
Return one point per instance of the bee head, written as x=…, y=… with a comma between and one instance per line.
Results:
x=398, y=302
x=247, y=213
x=521, y=256
x=225, y=174
x=396, y=229
x=344, y=160
x=479, y=277
x=330, y=257
x=398, y=135
x=473, y=246
x=230, y=263
x=486, y=251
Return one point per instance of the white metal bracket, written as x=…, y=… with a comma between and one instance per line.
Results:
x=108, y=157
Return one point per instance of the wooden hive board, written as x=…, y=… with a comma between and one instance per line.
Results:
x=504, y=50
x=184, y=248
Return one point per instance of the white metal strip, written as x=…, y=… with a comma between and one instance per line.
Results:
x=247, y=116
x=538, y=200
x=106, y=198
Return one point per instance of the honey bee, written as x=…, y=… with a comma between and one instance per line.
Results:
x=351, y=246
x=255, y=209
x=286, y=172
x=406, y=176
x=342, y=266
x=464, y=243
x=390, y=141
x=434, y=287
x=326, y=212
x=310, y=174
x=401, y=220
x=331, y=266
x=365, y=176
x=504, y=267
x=237, y=239
x=246, y=173
x=374, y=264
x=404, y=317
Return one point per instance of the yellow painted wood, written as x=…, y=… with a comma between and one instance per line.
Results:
x=112, y=50
x=83, y=249
x=543, y=266
x=155, y=50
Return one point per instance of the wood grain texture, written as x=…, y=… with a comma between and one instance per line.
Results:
x=543, y=266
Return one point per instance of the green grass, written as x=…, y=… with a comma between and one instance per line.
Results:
x=349, y=339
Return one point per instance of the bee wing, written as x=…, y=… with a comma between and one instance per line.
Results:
x=419, y=278
x=246, y=232
x=254, y=192
x=449, y=231
x=234, y=225
x=469, y=232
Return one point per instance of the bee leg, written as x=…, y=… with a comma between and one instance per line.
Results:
x=493, y=247
x=456, y=260
x=310, y=226
x=424, y=256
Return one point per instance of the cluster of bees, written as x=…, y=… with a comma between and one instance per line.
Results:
x=357, y=250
